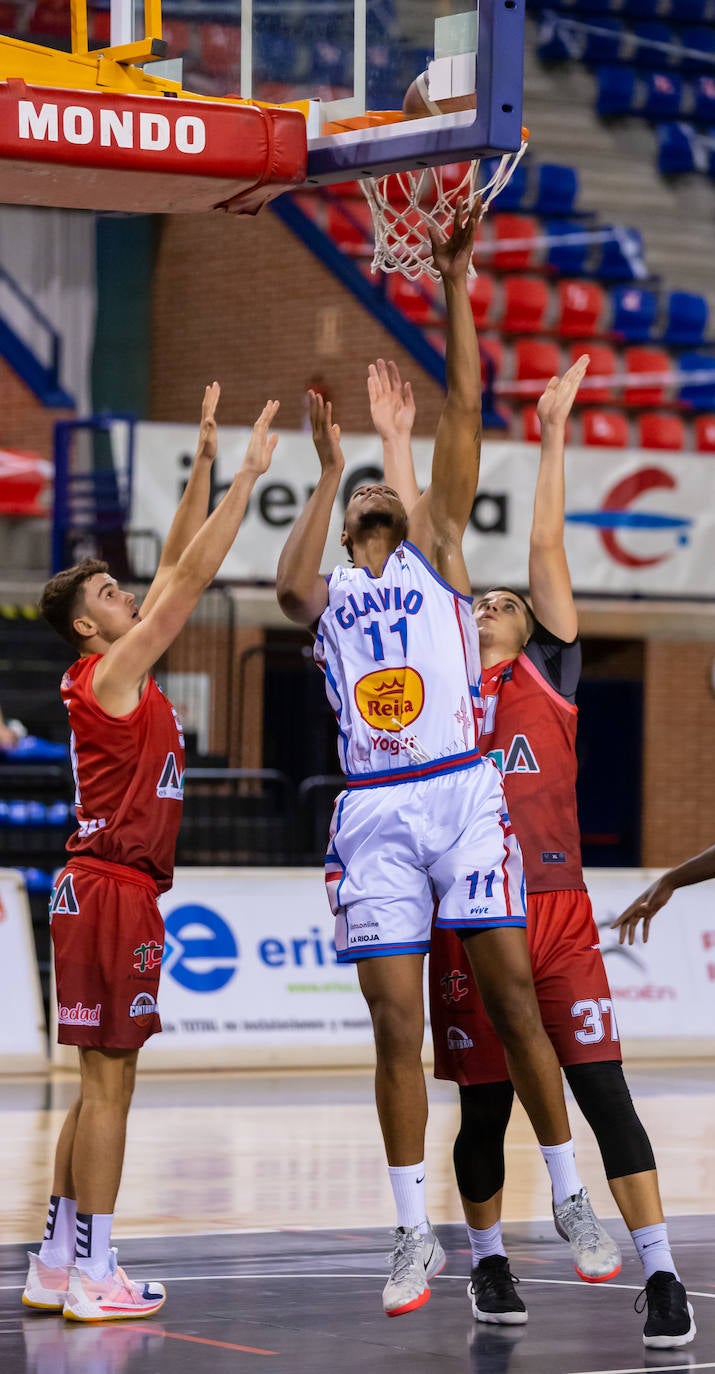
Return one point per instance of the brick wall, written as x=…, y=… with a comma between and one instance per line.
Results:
x=679, y=733
x=24, y=421
x=244, y=301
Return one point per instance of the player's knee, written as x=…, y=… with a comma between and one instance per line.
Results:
x=514, y=1012
x=398, y=1030
x=479, y=1147
x=603, y=1096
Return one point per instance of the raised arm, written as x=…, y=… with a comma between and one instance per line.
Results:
x=392, y=408
x=193, y=506
x=302, y=592
x=549, y=578
x=644, y=908
x=439, y=518
x=120, y=673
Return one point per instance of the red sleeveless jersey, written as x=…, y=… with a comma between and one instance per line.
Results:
x=129, y=777
x=530, y=731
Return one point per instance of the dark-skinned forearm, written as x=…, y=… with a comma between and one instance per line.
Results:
x=464, y=376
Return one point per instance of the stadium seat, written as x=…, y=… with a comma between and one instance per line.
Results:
x=220, y=49
x=581, y=305
x=698, y=40
x=642, y=35
x=556, y=190
x=705, y=433
x=639, y=9
x=492, y=355
x=651, y=362
x=634, y=313
x=604, y=46
x=553, y=44
x=676, y=149
x=686, y=319
x=700, y=394
x=349, y=225
x=661, y=431
x=513, y=228
x=529, y=425
x=704, y=100
x=602, y=366
x=616, y=92
x=512, y=196
x=526, y=301
x=691, y=11
x=662, y=95
x=416, y=300
x=535, y=362
x=622, y=257
x=604, y=428
x=481, y=295
x=568, y=259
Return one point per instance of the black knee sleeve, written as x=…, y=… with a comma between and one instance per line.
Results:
x=602, y=1095
x=479, y=1147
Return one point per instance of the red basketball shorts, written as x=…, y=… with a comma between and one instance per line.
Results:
x=571, y=987
x=108, y=938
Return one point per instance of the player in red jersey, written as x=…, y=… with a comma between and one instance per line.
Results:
x=127, y=752
x=530, y=669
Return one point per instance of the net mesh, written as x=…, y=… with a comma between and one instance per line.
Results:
x=405, y=206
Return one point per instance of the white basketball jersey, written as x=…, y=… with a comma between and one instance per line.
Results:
x=400, y=653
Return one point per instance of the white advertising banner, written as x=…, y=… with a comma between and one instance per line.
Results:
x=635, y=522
x=23, y=1034
x=250, y=980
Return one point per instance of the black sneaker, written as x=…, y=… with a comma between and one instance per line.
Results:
x=494, y=1297
x=670, y=1315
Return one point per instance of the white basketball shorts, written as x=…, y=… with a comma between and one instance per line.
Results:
x=397, y=849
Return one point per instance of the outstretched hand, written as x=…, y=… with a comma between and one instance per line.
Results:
x=643, y=909
x=452, y=256
x=326, y=434
x=554, y=406
x=208, y=433
x=392, y=405
x=262, y=443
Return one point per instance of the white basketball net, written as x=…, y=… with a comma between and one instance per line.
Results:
x=406, y=205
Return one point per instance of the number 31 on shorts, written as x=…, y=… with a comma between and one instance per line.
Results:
x=592, y=1012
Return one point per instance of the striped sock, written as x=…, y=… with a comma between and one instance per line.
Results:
x=57, y=1247
x=94, y=1232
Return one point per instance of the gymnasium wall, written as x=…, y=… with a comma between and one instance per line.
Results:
x=245, y=302
x=678, y=736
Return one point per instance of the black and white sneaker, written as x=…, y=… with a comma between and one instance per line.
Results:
x=670, y=1315
x=494, y=1297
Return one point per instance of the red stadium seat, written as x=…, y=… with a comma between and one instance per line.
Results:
x=517, y=228
x=603, y=365
x=220, y=49
x=526, y=300
x=661, y=431
x=349, y=225
x=581, y=306
x=481, y=294
x=607, y=429
x=492, y=351
x=705, y=433
x=649, y=361
x=415, y=299
x=535, y=362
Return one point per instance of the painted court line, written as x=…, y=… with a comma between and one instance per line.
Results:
x=648, y=1369
x=204, y=1340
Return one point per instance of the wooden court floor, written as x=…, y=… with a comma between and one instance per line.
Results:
x=266, y=1198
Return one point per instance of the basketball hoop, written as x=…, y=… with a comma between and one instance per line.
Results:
x=405, y=206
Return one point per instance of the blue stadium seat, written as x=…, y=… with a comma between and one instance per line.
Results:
x=604, y=46
x=676, y=149
x=512, y=197
x=698, y=40
x=691, y=11
x=567, y=259
x=662, y=95
x=634, y=313
x=616, y=91
x=553, y=44
x=704, y=99
x=698, y=394
x=644, y=55
x=622, y=258
x=557, y=188
x=686, y=319
x=639, y=9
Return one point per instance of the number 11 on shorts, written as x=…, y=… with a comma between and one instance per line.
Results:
x=473, y=880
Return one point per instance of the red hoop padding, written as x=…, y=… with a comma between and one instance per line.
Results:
x=90, y=151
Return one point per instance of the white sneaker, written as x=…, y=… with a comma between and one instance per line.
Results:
x=596, y=1254
x=416, y=1258
x=45, y=1287
x=114, y=1298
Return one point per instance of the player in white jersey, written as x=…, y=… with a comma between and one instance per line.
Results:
x=423, y=814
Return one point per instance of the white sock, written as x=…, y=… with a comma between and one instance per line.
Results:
x=57, y=1248
x=561, y=1164
x=653, y=1248
x=94, y=1232
x=485, y=1243
x=408, y=1186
